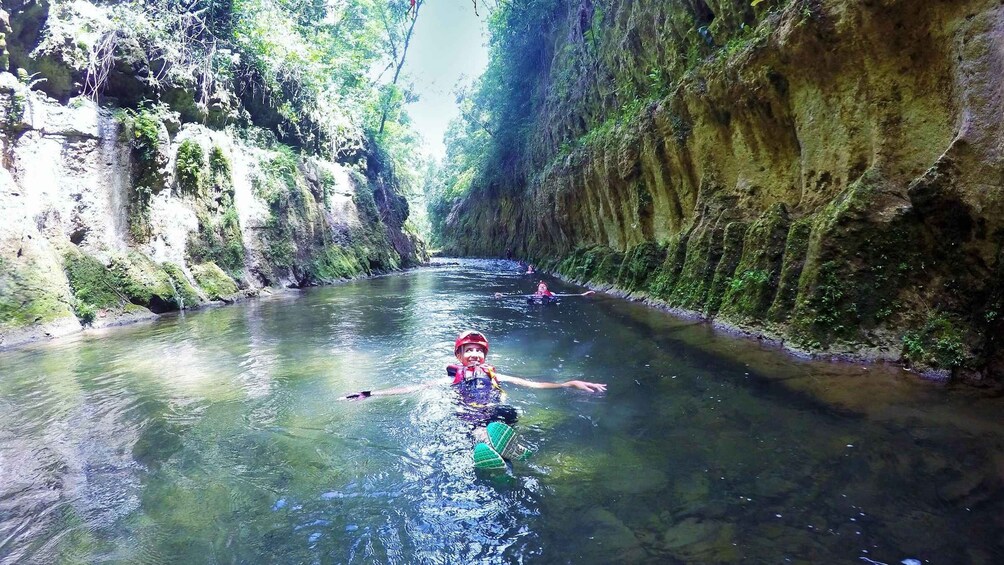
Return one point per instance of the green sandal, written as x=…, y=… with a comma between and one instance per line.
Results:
x=487, y=458
x=503, y=439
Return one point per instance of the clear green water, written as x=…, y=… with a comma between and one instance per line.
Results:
x=217, y=437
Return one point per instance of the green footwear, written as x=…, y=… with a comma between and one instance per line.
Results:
x=487, y=458
x=503, y=439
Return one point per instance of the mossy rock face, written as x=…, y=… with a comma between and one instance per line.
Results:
x=732, y=249
x=148, y=140
x=335, y=263
x=94, y=286
x=939, y=343
x=664, y=280
x=219, y=239
x=214, y=282
x=753, y=286
x=92, y=282
x=26, y=296
x=595, y=263
x=185, y=294
x=639, y=264
x=151, y=285
x=191, y=169
x=796, y=245
x=704, y=250
x=864, y=249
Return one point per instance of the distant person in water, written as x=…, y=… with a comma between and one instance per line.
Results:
x=529, y=270
x=482, y=400
x=542, y=296
x=542, y=290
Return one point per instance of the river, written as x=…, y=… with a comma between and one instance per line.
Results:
x=218, y=436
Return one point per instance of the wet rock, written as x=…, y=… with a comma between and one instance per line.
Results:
x=609, y=539
x=698, y=540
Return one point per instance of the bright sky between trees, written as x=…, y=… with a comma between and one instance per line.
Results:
x=449, y=43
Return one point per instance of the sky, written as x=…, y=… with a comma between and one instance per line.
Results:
x=449, y=43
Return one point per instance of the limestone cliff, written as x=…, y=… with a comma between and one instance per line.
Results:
x=828, y=172
x=131, y=207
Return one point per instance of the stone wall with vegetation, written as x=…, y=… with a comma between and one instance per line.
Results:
x=127, y=206
x=826, y=172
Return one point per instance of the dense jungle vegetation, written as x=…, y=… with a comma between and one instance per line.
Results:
x=322, y=77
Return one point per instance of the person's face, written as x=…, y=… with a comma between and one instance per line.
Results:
x=542, y=287
x=471, y=354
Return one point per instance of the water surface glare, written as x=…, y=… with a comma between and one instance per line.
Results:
x=217, y=437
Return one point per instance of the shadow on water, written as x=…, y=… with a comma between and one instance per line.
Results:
x=218, y=436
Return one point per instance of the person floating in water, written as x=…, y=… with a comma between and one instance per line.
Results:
x=543, y=295
x=542, y=290
x=482, y=399
x=529, y=270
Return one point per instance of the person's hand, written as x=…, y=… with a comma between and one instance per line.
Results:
x=357, y=395
x=587, y=386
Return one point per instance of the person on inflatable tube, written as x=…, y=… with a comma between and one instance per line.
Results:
x=479, y=387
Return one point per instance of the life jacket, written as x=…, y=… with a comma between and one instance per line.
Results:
x=478, y=386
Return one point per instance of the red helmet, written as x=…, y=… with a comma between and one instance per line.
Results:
x=470, y=336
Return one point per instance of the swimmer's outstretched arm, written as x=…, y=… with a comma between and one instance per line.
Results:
x=392, y=391
x=581, y=385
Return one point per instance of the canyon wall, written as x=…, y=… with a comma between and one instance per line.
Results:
x=825, y=173
x=117, y=208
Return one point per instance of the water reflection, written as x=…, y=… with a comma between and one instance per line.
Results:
x=218, y=436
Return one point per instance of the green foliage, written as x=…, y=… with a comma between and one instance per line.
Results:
x=190, y=166
x=85, y=312
x=939, y=343
x=492, y=135
x=142, y=129
x=219, y=165
x=747, y=279
x=15, y=113
x=219, y=240
x=828, y=311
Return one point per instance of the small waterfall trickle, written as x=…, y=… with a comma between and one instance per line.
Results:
x=178, y=298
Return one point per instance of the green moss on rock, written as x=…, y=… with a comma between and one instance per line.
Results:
x=639, y=264
x=143, y=131
x=664, y=280
x=151, y=285
x=938, y=343
x=190, y=168
x=91, y=282
x=704, y=250
x=732, y=250
x=213, y=281
x=218, y=240
x=862, y=253
x=26, y=297
x=94, y=286
x=796, y=246
x=184, y=293
x=595, y=263
x=754, y=284
x=335, y=263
